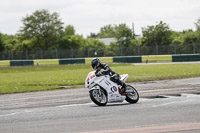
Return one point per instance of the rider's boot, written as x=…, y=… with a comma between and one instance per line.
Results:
x=123, y=86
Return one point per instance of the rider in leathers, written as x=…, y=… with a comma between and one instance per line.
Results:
x=103, y=69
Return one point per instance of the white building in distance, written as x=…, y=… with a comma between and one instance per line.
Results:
x=107, y=41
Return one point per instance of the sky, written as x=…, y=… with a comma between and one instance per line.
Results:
x=90, y=15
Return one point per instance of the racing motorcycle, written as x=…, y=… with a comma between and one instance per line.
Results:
x=102, y=90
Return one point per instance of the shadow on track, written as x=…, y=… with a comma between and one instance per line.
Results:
x=113, y=104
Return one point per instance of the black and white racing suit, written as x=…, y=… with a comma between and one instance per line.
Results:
x=105, y=70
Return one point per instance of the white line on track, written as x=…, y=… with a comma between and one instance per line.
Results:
x=177, y=102
x=165, y=104
x=11, y=114
x=74, y=105
x=16, y=113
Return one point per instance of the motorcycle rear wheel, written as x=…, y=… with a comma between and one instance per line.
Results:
x=132, y=97
x=98, y=97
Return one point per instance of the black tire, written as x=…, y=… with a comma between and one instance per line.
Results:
x=132, y=97
x=96, y=97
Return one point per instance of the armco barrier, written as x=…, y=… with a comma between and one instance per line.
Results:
x=127, y=59
x=182, y=58
x=72, y=61
x=21, y=63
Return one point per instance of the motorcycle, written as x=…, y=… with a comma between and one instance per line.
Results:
x=102, y=90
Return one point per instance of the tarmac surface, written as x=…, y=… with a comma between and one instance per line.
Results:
x=170, y=106
x=149, y=89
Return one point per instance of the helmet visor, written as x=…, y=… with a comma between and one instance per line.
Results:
x=95, y=65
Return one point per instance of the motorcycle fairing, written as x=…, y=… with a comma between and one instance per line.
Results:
x=124, y=77
x=110, y=87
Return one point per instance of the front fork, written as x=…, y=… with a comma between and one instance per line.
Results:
x=100, y=92
x=97, y=87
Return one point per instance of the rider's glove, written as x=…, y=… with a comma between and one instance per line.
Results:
x=99, y=73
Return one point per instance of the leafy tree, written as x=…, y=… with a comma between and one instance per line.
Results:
x=73, y=41
x=10, y=42
x=177, y=37
x=1, y=42
x=157, y=35
x=92, y=35
x=26, y=44
x=69, y=30
x=95, y=44
x=121, y=32
x=177, y=42
x=184, y=42
x=197, y=24
x=94, y=47
x=189, y=37
x=124, y=35
x=112, y=49
x=107, y=31
x=42, y=27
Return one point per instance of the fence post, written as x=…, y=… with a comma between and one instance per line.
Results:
x=56, y=50
x=104, y=52
x=175, y=48
x=156, y=49
x=72, y=52
x=88, y=52
x=194, y=47
x=41, y=52
x=138, y=50
x=26, y=54
x=11, y=54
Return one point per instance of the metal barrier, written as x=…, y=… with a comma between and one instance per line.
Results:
x=72, y=61
x=21, y=63
x=182, y=58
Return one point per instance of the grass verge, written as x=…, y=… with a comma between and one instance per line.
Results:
x=108, y=60
x=157, y=58
x=46, y=62
x=28, y=79
x=4, y=63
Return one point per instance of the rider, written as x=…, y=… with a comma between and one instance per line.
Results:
x=103, y=69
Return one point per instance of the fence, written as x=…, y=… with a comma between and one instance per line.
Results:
x=115, y=51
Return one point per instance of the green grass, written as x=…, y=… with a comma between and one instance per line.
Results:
x=108, y=60
x=4, y=63
x=157, y=58
x=46, y=62
x=27, y=79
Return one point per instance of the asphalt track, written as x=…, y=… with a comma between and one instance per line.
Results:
x=166, y=106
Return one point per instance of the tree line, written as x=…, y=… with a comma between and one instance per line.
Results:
x=46, y=31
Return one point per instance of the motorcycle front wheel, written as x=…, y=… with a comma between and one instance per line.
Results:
x=132, y=97
x=98, y=97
